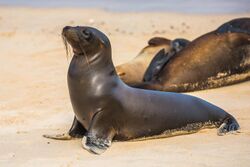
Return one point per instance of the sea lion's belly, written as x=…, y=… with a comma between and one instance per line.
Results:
x=149, y=113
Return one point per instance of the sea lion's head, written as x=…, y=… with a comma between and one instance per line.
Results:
x=86, y=41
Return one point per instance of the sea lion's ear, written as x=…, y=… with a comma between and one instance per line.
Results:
x=155, y=41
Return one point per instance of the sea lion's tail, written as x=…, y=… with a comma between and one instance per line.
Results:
x=229, y=125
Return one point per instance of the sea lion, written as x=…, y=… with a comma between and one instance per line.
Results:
x=218, y=58
x=106, y=109
x=132, y=72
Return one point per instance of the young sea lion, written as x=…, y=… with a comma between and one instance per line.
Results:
x=132, y=72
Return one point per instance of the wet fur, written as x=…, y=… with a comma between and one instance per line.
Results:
x=105, y=108
x=169, y=77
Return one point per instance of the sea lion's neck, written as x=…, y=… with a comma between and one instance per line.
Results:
x=99, y=76
x=99, y=63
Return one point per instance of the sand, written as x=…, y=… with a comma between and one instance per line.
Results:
x=34, y=97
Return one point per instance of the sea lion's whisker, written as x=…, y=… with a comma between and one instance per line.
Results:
x=67, y=47
x=85, y=55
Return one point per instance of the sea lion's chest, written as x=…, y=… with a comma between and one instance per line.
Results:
x=87, y=90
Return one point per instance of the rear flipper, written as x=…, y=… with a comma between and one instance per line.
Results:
x=229, y=125
x=156, y=65
x=76, y=131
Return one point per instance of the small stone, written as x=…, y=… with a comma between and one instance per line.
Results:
x=91, y=21
x=156, y=32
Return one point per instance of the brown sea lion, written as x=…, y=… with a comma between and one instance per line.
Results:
x=218, y=58
x=132, y=71
x=106, y=109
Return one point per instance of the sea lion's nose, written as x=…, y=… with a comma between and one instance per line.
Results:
x=66, y=28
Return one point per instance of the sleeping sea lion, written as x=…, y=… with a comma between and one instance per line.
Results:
x=218, y=58
x=132, y=72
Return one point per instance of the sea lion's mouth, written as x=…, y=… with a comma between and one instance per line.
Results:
x=70, y=33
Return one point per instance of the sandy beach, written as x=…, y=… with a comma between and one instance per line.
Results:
x=34, y=96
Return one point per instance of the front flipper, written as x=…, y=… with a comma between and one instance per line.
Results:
x=162, y=58
x=95, y=145
x=100, y=134
x=76, y=131
x=156, y=65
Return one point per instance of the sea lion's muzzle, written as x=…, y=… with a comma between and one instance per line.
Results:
x=74, y=36
x=70, y=33
x=66, y=28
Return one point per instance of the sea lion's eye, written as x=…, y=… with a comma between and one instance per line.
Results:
x=86, y=34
